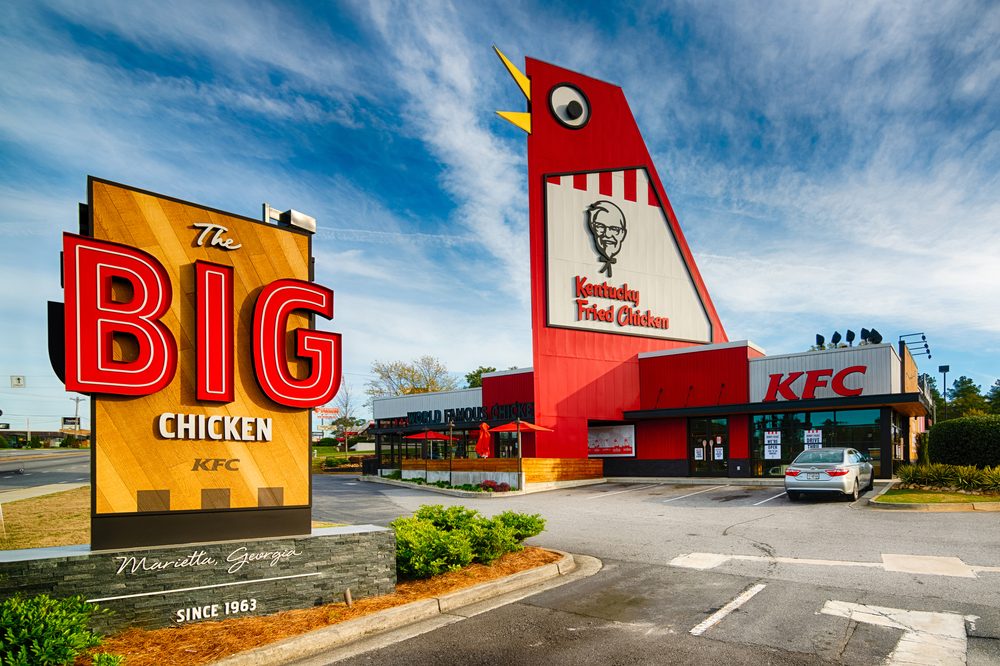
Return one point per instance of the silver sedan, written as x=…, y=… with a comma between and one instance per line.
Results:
x=837, y=470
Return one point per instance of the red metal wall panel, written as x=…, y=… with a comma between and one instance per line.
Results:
x=507, y=389
x=739, y=436
x=661, y=439
x=697, y=379
x=581, y=375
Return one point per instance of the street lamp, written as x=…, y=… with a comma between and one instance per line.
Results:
x=943, y=369
x=926, y=351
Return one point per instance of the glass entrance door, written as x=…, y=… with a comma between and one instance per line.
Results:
x=708, y=446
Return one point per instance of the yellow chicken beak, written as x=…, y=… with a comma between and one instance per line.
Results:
x=520, y=119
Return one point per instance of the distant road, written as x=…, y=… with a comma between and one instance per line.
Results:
x=42, y=468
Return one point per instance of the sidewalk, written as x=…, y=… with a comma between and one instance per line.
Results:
x=37, y=491
x=346, y=639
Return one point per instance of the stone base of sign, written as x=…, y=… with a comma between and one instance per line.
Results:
x=150, y=588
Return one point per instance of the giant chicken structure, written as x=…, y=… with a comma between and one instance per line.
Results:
x=611, y=273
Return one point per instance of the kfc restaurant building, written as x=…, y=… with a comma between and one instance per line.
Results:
x=632, y=367
x=721, y=410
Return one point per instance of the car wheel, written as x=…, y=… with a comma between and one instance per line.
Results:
x=871, y=482
x=792, y=496
x=853, y=497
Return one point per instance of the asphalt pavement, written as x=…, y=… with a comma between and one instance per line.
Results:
x=43, y=467
x=829, y=581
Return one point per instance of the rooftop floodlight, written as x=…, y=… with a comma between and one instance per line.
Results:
x=290, y=218
x=836, y=337
x=865, y=333
x=874, y=337
x=850, y=337
x=820, y=340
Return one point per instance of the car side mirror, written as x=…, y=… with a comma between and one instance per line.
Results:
x=866, y=458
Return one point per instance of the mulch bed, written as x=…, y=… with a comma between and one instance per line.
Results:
x=204, y=642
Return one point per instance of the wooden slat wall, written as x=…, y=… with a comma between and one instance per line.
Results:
x=536, y=470
x=130, y=455
x=545, y=470
x=910, y=382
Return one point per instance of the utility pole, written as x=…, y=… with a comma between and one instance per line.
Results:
x=76, y=418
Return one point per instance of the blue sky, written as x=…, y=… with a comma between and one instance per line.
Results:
x=833, y=165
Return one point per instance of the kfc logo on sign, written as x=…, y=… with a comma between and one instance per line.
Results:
x=94, y=315
x=607, y=226
x=781, y=384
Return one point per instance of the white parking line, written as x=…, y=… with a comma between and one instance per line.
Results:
x=769, y=499
x=697, y=493
x=652, y=485
x=726, y=610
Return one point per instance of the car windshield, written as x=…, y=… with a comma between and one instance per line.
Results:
x=820, y=457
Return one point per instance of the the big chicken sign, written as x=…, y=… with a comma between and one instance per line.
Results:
x=193, y=330
x=611, y=274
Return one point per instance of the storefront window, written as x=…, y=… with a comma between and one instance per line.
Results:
x=507, y=444
x=777, y=438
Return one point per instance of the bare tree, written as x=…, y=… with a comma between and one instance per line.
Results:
x=424, y=375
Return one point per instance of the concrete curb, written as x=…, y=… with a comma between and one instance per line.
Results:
x=934, y=508
x=319, y=640
x=940, y=508
x=528, y=489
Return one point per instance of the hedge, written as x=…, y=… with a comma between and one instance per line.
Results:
x=971, y=440
x=438, y=539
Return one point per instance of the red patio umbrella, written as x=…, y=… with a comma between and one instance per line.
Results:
x=483, y=443
x=430, y=434
x=517, y=426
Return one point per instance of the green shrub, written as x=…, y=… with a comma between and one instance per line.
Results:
x=923, y=448
x=453, y=518
x=423, y=550
x=991, y=479
x=46, y=631
x=491, y=539
x=908, y=474
x=328, y=441
x=962, y=477
x=971, y=440
x=967, y=477
x=524, y=526
x=3, y=443
x=396, y=475
x=333, y=461
x=424, y=547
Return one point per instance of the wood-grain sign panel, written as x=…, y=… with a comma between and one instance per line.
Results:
x=207, y=362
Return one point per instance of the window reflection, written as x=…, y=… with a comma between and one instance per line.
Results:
x=790, y=433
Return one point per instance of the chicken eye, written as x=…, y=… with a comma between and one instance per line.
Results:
x=569, y=106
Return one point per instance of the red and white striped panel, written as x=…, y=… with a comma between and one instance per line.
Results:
x=648, y=262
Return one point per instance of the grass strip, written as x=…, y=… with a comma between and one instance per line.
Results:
x=59, y=519
x=908, y=496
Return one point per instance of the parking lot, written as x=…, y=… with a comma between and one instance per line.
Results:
x=692, y=496
x=836, y=581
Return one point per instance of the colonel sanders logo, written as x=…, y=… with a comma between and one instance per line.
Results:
x=607, y=226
